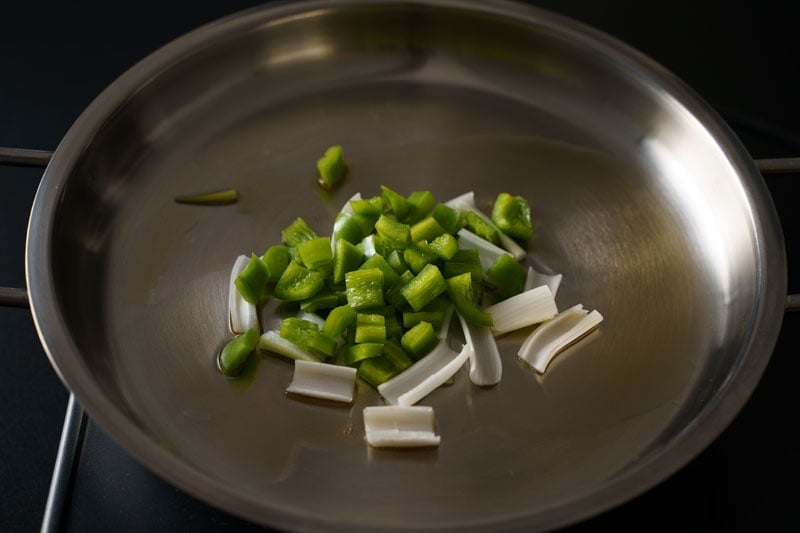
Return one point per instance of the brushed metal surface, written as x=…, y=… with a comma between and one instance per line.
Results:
x=640, y=195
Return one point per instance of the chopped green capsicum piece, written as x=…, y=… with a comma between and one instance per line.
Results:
x=419, y=340
x=339, y=319
x=236, y=352
x=316, y=253
x=445, y=246
x=370, y=328
x=506, y=276
x=462, y=294
x=332, y=167
x=358, y=352
x=464, y=261
x=223, y=197
x=512, y=215
x=482, y=228
x=275, y=259
x=298, y=283
x=346, y=258
x=448, y=218
x=397, y=202
x=297, y=232
x=395, y=234
x=364, y=288
x=392, y=361
x=420, y=203
x=426, y=229
x=424, y=288
x=250, y=283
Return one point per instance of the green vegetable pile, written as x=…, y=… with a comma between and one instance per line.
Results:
x=385, y=281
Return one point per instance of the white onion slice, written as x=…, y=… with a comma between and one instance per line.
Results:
x=463, y=202
x=311, y=317
x=547, y=340
x=323, y=380
x=485, y=366
x=395, y=426
x=487, y=251
x=367, y=246
x=536, y=279
x=243, y=315
x=424, y=376
x=524, y=309
x=271, y=341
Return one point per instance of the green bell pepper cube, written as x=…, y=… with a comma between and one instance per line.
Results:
x=364, y=288
x=346, y=257
x=506, y=275
x=316, y=253
x=339, y=319
x=445, y=246
x=483, y=229
x=236, y=352
x=275, y=259
x=397, y=202
x=464, y=261
x=448, y=218
x=250, y=283
x=358, y=352
x=424, y=288
x=462, y=294
x=297, y=232
x=419, y=340
x=332, y=167
x=512, y=215
x=395, y=234
x=420, y=204
x=426, y=229
x=298, y=283
x=370, y=328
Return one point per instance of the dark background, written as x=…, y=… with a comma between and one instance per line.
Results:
x=56, y=57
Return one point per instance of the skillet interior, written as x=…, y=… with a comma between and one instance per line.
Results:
x=641, y=198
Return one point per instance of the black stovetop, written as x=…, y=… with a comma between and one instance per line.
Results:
x=56, y=57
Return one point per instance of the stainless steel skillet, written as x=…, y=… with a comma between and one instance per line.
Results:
x=619, y=158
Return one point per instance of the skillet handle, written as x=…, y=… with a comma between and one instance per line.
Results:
x=12, y=297
x=18, y=156
x=788, y=165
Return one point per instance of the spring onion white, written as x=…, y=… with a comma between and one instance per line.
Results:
x=424, y=376
x=367, y=246
x=524, y=309
x=551, y=337
x=324, y=381
x=535, y=279
x=487, y=251
x=400, y=427
x=312, y=317
x=485, y=366
x=243, y=315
